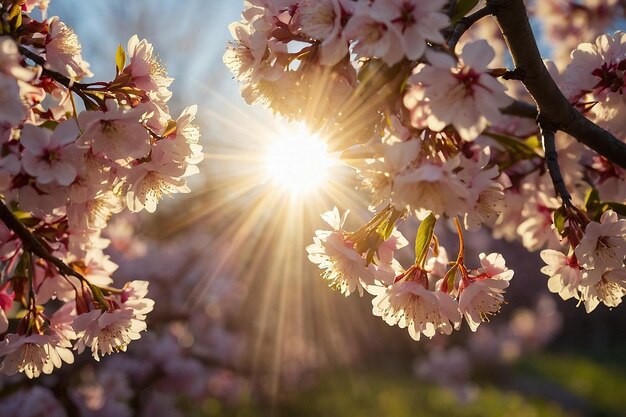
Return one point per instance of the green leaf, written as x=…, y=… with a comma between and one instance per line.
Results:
x=170, y=128
x=593, y=205
x=518, y=149
x=559, y=219
x=450, y=277
x=120, y=59
x=616, y=207
x=423, y=239
x=592, y=198
x=463, y=7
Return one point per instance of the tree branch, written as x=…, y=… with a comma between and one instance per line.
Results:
x=520, y=109
x=513, y=21
x=32, y=244
x=465, y=23
x=552, y=159
x=60, y=78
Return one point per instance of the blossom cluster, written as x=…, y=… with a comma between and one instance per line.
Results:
x=73, y=154
x=435, y=131
x=190, y=353
x=429, y=297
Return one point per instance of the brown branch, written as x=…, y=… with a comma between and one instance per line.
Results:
x=58, y=77
x=32, y=244
x=79, y=88
x=512, y=18
x=521, y=109
x=552, y=160
x=465, y=23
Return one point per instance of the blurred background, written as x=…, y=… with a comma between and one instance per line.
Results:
x=245, y=326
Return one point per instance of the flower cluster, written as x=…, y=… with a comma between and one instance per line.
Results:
x=190, y=353
x=594, y=271
x=435, y=131
x=64, y=172
x=429, y=297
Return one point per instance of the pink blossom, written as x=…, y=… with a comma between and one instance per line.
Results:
x=486, y=193
x=116, y=133
x=603, y=244
x=10, y=59
x=372, y=37
x=595, y=76
x=324, y=20
x=345, y=269
x=603, y=285
x=63, y=51
x=145, y=70
x=431, y=187
x=408, y=303
x=33, y=354
x=148, y=182
x=12, y=109
x=110, y=331
x=483, y=294
x=564, y=272
x=464, y=95
x=51, y=156
x=417, y=21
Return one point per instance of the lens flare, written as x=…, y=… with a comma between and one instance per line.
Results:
x=297, y=161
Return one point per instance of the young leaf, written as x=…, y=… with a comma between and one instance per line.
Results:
x=463, y=7
x=616, y=207
x=560, y=217
x=120, y=59
x=423, y=239
x=593, y=205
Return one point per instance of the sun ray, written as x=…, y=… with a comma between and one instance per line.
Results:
x=261, y=228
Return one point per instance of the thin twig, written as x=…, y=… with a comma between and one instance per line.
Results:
x=60, y=78
x=465, y=23
x=452, y=8
x=552, y=159
x=521, y=109
x=32, y=244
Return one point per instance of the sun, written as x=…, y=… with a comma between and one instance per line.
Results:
x=297, y=161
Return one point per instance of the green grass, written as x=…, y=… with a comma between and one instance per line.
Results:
x=600, y=387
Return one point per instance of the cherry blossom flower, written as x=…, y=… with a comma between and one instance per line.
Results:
x=398, y=157
x=483, y=294
x=486, y=193
x=408, y=303
x=595, y=78
x=373, y=37
x=150, y=181
x=564, y=271
x=51, y=156
x=603, y=244
x=536, y=229
x=12, y=109
x=116, y=133
x=94, y=214
x=33, y=354
x=323, y=20
x=63, y=51
x=144, y=68
x=106, y=332
x=344, y=268
x=417, y=21
x=10, y=61
x=6, y=302
x=603, y=285
x=431, y=187
x=463, y=95
x=9, y=243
